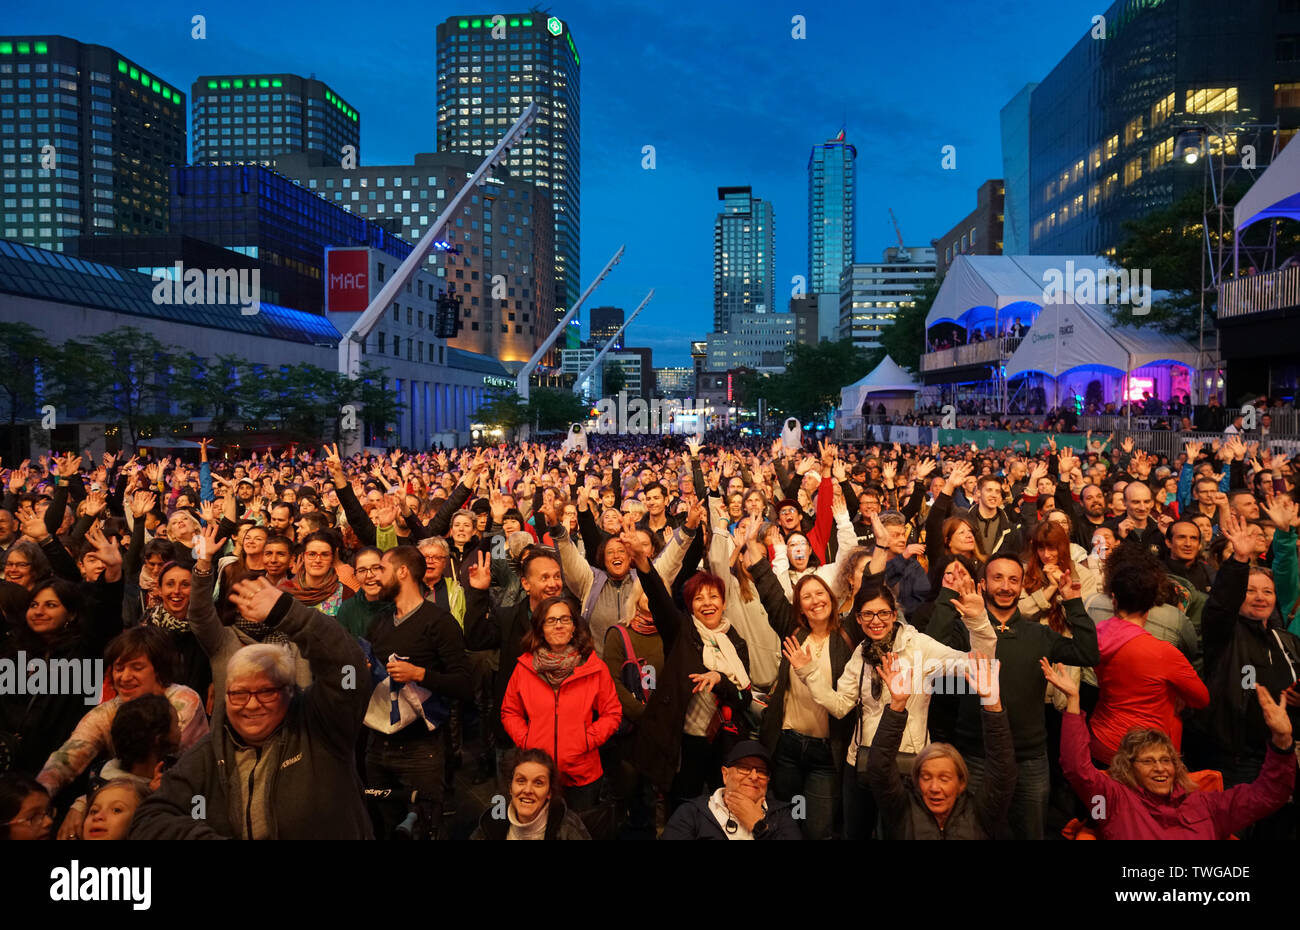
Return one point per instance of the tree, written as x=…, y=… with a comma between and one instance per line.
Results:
x=555, y=408
x=615, y=378
x=810, y=386
x=22, y=349
x=905, y=340
x=503, y=408
x=211, y=389
x=122, y=375
x=379, y=404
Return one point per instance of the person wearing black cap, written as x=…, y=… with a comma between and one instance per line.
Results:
x=740, y=809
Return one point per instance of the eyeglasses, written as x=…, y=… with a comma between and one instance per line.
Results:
x=1147, y=761
x=369, y=570
x=33, y=821
x=870, y=615
x=264, y=696
x=12, y=564
x=744, y=771
x=558, y=621
x=317, y=555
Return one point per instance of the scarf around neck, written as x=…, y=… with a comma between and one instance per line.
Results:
x=555, y=667
x=720, y=653
x=314, y=595
x=160, y=617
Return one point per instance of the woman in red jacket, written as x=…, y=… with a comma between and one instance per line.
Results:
x=561, y=698
x=1144, y=682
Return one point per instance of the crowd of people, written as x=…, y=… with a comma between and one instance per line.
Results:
x=656, y=638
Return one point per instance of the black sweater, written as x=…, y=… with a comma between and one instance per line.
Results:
x=1023, y=687
x=430, y=638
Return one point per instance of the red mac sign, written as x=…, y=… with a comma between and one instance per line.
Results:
x=347, y=284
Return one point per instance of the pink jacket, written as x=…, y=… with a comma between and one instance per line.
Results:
x=1133, y=814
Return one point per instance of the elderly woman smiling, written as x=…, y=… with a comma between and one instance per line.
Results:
x=274, y=750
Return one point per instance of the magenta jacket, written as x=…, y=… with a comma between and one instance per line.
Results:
x=1133, y=814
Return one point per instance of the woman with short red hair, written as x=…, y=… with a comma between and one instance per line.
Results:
x=697, y=711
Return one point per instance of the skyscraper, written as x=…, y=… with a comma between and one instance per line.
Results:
x=832, y=202
x=744, y=242
x=255, y=117
x=490, y=68
x=87, y=137
x=605, y=322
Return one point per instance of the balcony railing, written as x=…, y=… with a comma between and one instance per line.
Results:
x=994, y=350
x=1258, y=293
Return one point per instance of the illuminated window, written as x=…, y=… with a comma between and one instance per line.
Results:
x=1112, y=146
x=1094, y=159
x=1094, y=194
x=1211, y=100
x=1109, y=186
x=1132, y=170
x=1163, y=109
x=1133, y=130
x=1162, y=152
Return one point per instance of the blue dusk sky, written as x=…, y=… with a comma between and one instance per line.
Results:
x=722, y=90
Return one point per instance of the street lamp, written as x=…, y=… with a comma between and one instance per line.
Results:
x=1188, y=145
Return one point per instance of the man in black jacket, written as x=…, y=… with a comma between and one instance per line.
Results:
x=1021, y=644
x=1136, y=524
x=421, y=647
x=740, y=809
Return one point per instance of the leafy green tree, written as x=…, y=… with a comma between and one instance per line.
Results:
x=503, y=408
x=615, y=378
x=554, y=408
x=22, y=349
x=372, y=391
x=809, y=388
x=122, y=375
x=211, y=389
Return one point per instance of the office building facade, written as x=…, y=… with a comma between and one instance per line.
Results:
x=674, y=383
x=832, y=211
x=256, y=212
x=87, y=137
x=744, y=246
x=1104, y=124
x=605, y=322
x=489, y=68
x=872, y=293
x=759, y=341
x=978, y=233
x=256, y=117
x=502, y=240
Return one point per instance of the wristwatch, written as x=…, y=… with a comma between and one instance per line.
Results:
x=761, y=829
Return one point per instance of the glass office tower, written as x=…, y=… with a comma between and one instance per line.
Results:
x=86, y=140
x=490, y=67
x=832, y=201
x=255, y=117
x=744, y=242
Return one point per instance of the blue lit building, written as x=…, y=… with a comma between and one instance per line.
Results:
x=832, y=211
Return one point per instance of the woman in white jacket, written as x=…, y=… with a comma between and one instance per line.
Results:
x=860, y=686
x=743, y=609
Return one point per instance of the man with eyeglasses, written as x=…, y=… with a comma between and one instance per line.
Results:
x=279, y=763
x=741, y=808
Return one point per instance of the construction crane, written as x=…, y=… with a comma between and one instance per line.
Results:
x=903, y=254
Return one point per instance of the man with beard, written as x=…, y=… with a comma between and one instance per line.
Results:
x=420, y=647
x=656, y=519
x=1021, y=644
x=1089, y=512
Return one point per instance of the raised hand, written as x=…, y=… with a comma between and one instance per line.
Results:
x=94, y=503
x=1276, y=717
x=107, y=551
x=1237, y=529
x=1127, y=444
x=1282, y=511
x=255, y=598
x=969, y=603
x=31, y=525
x=209, y=544
x=480, y=570
x=796, y=652
x=895, y=679
x=1059, y=678
x=984, y=675
x=924, y=468
x=142, y=502
x=695, y=516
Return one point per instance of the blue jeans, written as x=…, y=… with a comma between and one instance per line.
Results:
x=1028, y=814
x=803, y=765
